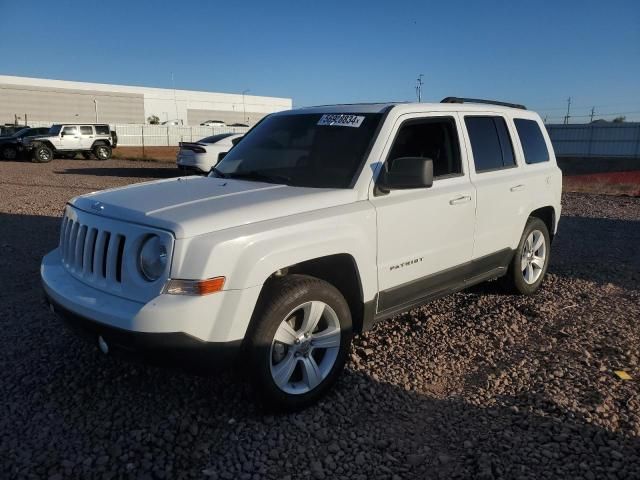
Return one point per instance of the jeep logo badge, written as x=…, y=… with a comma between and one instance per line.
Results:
x=97, y=206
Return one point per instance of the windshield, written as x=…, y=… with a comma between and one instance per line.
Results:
x=55, y=129
x=306, y=150
x=21, y=132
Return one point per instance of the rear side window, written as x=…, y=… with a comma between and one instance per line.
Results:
x=216, y=138
x=86, y=130
x=436, y=139
x=533, y=144
x=102, y=130
x=490, y=143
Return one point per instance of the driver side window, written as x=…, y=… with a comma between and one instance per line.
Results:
x=70, y=130
x=434, y=138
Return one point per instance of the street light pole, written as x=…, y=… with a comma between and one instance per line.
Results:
x=244, y=108
x=95, y=102
x=419, y=84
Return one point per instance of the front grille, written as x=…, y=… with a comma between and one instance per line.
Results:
x=92, y=252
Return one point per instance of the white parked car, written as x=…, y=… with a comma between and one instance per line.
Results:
x=318, y=224
x=200, y=156
x=213, y=123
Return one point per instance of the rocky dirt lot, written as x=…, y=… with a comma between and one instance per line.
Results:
x=477, y=385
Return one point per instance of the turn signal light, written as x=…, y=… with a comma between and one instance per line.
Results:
x=194, y=287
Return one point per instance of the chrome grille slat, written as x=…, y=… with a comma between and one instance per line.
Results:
x=98, y=252
x=89, y=245
x=112, y=255
x=79, y=251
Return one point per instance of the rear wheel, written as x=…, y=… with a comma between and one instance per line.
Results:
x=42, y=154
x=531, y=259
x=300, y=344
x=102, y=152
x=9, y=153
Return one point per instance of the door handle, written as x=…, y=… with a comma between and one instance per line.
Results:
x=459, y=200
x=517, y=188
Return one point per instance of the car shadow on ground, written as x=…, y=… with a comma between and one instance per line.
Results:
x=131, y=172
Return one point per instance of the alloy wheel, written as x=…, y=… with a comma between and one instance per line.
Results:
x=533, y=257
x=305, y=347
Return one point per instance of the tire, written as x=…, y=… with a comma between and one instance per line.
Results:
x=293, y=374
x=102, y=152
x=9, y=153
x=87, y=155
x=531, y=259
x=42, y=154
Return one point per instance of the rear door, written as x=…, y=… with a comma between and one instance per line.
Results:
x=87, y=137
x=500, y=185
x=425, y=235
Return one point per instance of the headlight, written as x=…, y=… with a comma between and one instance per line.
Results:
x=153, y=258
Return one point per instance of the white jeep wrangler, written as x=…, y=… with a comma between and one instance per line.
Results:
x=318, y=224
x=67, y=140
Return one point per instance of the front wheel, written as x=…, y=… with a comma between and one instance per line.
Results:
x=300, y=341
x=531, y=259
x=9, y=153
x=102, y=152
x=42, y=154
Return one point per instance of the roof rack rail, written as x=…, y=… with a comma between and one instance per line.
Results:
x=480, y=100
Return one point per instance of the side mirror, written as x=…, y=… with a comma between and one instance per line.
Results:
x=221, y=155
x=235, y=141
x=62, y=134
x=408, y=172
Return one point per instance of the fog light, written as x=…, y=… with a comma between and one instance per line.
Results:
x=194, y=287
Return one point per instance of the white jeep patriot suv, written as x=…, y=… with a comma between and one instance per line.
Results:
x=319, y=223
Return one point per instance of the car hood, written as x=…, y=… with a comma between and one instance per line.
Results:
x=190, y=206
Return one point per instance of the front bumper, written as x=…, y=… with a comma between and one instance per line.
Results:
x=176, y=348
x=211, y=326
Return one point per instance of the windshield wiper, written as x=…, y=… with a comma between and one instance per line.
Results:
x=260, y=177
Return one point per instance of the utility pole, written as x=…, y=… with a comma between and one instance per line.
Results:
x=593, y=112
x=244, y=107
x=95, y=101
x=175, y=102
x=567, y=116
x=419, y=84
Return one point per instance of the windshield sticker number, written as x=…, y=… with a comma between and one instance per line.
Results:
x=340, y=120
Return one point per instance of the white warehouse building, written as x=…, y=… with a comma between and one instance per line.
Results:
x=42, y=100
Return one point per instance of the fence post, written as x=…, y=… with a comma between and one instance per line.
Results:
x=168, y=142
x=142, y=136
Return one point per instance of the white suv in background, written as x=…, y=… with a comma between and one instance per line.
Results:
x=67, y=140
x=204, y=154
x=318, y=224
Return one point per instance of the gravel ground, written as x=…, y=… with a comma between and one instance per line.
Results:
x=480, y=384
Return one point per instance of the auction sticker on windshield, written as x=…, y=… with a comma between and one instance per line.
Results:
x=341, y=120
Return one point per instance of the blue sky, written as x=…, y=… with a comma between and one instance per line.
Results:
x=536, y=53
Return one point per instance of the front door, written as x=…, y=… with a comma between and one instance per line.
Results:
x=425, y=235
x=69, y=138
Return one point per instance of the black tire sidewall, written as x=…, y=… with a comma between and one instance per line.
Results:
x=37, y=158
x=280, y=299
x=9, y=149
x=516, y=278
x=98, y=147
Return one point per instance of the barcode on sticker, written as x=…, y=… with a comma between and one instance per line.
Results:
x=341, y=120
